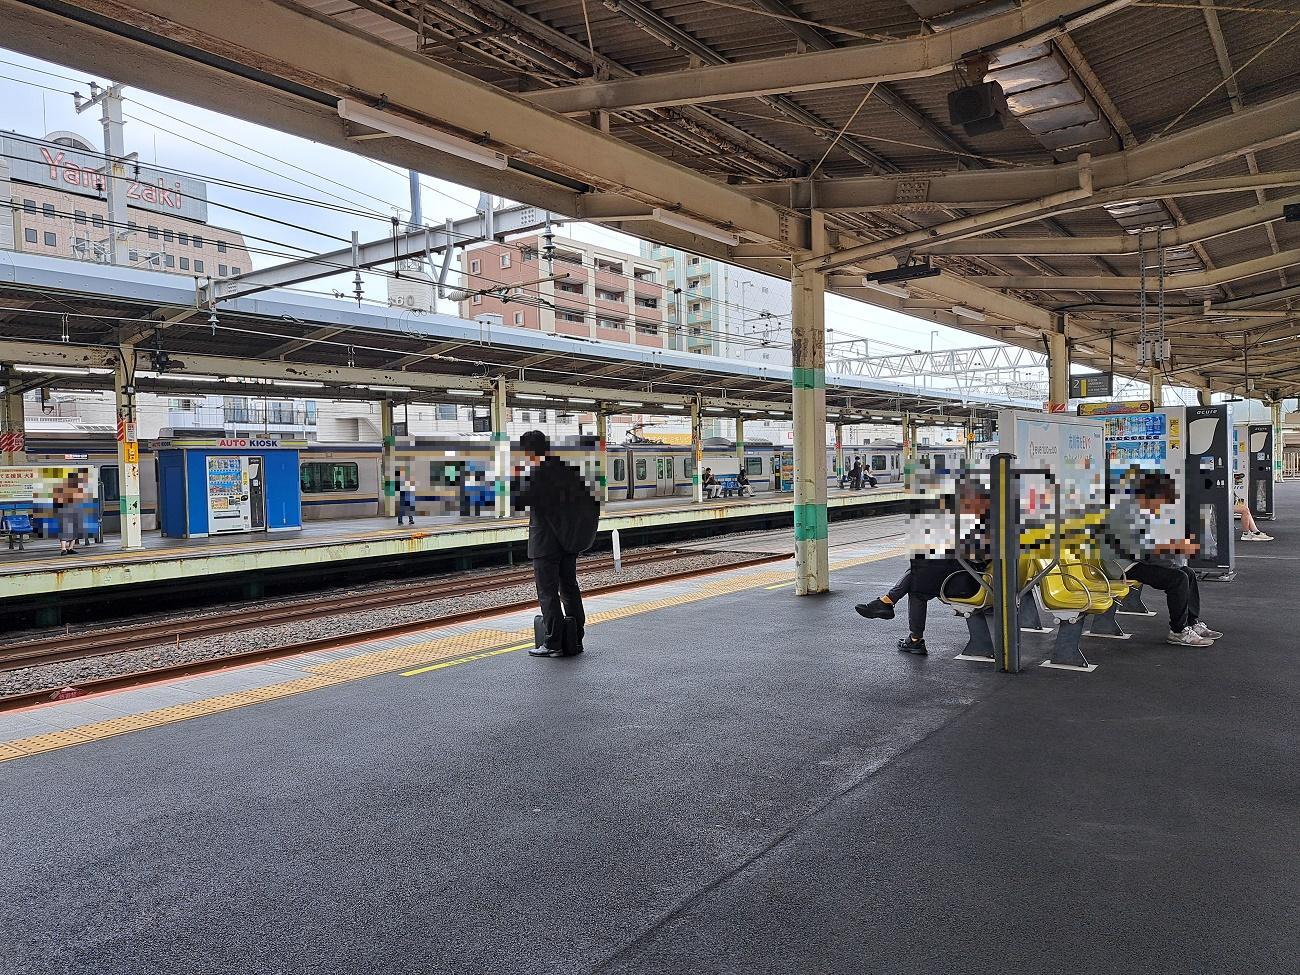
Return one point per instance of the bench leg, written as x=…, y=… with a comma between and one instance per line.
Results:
x=1132, y=605
x=980, y=643
x=1066, y=651
x=1029, y=617
x=1106, y=625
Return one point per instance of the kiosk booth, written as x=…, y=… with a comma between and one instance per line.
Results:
x=228, y=485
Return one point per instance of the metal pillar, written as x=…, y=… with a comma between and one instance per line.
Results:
x=501, y=443
x=110, y=100
x=697, y=453
x=808, y=351
x=13, y=423
x=602, y=454
x=1203, y=397
x=388, y=461
x=1005, y=512
x=1153, y=380
x=968, y=451
x=1058, y=368
x=740, y=444
x=1278, y=445
x=909, y=450
x=128, y=448
x=839, y=452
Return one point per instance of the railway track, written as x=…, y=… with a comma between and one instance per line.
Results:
x=79, y=646
x=76, y=646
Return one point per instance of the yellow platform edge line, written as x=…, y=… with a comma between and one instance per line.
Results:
x=482, y=645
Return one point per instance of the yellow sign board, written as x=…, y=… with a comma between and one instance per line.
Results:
x=131, y=452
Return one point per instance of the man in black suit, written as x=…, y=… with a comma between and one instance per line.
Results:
x=562, y=520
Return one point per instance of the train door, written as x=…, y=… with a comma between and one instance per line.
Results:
x=665, y=485
x=256, y=494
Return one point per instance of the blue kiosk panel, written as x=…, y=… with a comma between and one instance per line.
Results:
x=228, y=486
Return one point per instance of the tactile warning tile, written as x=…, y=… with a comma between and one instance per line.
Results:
x=460, y=646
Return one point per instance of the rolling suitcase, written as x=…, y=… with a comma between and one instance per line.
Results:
x=568, y=638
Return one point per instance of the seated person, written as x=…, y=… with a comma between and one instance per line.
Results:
x=742, y=485
x=1129, y=551
x=711, y=487
x=925, y=576
x=1249, y=528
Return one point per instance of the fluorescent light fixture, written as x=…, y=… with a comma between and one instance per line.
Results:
x=465, y=392
x=775, y=413
x=305, y=383
x=880, y=418
x=897, y=290
x=392, y=389
x=671, y=406
x=751, y=412
x=354, y=111
x=530, y=396
x=579, y=399
x=66, y=370
x=1026, y=330
x=695, y=226
x=625, y=402
x=962, y=311
x=715, y=409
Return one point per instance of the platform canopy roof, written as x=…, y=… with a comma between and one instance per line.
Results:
x=1134, y=130
x=70, y=317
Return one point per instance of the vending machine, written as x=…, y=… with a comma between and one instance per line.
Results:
x=1259, y=469
x=1207, y=489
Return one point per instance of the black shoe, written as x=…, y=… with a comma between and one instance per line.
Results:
x=877, y=609
x=908, y=645
x=545, y=652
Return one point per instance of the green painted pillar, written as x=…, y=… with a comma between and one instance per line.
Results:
x=388, y=461
x=501, y=445
x=697, y=452
x=128, y=449
x=808, y=353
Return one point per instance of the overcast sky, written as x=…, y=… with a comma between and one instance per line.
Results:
x=340, y=191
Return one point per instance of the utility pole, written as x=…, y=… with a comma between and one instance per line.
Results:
x=110, y=100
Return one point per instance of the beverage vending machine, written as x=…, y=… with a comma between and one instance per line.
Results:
x=1207, y=489
x=1259, y=469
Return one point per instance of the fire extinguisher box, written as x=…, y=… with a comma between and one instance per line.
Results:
x=228, y=486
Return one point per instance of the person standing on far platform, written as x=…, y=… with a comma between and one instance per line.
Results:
x=405, y=498
x=562, y=517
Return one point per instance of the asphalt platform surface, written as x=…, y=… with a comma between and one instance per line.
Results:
x=748, y=784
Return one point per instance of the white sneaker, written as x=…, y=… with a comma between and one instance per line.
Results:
x=1204, y=631
x=1261, y=537
x=1188, y=638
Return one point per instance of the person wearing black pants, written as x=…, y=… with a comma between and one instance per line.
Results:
x=925, y=577
x=559, y=596
x=563, y=514
x=1181, y=589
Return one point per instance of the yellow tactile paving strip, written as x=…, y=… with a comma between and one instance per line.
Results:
x=451, y=650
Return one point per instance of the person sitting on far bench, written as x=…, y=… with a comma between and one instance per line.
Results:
x=1129, y=551
x=743, y=489
x=710, y=483
x=924, y=578
x=1249, y=527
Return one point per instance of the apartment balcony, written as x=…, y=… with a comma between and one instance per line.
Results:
x=200, y=418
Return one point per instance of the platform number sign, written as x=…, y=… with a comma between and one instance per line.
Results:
x=131, y=452
x=1097, y=384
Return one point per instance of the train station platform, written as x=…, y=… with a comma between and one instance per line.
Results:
x=731, y=779
x=40, y=569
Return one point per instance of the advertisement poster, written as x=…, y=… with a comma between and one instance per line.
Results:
x=1072, y=448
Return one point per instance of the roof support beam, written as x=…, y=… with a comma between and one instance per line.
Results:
x=915, y=57
x=1269, y=123
x=1174, y=282
x=1117, y=244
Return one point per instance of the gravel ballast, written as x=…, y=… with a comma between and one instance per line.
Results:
x=74, y=672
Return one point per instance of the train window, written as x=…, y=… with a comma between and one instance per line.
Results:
x=640, y=469
x=668, y=467
x=754, y=465
x=879, y=462
x=445, y=473
x=109, y=489
x=659, y=468
x=688, y=466
x=775, y=463
x=620, y=470
x=323, y=477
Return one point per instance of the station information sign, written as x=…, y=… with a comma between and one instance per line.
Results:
x=1120, y=408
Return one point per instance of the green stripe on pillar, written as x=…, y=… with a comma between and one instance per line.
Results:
x=390, y=441
x=500, y=435
x=807, y=377
x=809, y=522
